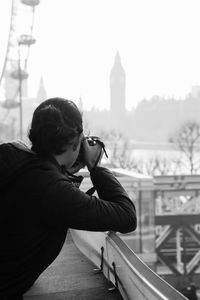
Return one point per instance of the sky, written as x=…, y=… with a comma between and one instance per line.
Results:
x=76, y=43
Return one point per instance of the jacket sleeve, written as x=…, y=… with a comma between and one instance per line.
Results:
x=66, y=206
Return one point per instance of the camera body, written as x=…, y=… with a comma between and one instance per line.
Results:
x=92, y=141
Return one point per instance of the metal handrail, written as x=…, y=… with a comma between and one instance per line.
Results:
x=128, y=273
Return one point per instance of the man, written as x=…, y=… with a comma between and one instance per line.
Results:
x=40, y=201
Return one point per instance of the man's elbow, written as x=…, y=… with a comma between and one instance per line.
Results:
x=130, y=225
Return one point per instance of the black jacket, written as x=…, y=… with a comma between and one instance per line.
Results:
x=39, y=203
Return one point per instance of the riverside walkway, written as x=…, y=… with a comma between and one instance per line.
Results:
x=72, y=276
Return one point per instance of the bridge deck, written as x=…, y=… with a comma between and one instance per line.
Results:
x=71, y=276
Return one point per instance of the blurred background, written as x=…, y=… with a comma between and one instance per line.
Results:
x=132, y=67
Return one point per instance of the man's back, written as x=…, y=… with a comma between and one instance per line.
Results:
x=39, y=203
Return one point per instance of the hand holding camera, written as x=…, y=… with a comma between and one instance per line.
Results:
x=91, y=152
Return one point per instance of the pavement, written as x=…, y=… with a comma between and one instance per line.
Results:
x=71, y=276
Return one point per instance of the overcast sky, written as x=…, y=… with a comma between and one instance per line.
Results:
x=77, y=40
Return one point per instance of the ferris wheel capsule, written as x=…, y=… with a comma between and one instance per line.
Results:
x=26, y=39
x=19, y=74
x=30, y=2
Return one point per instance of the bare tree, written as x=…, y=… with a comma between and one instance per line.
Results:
x=115, y=143
x=120, y=156
x=187, y=140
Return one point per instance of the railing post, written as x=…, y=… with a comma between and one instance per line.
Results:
x=100, y=270
x=115, y=287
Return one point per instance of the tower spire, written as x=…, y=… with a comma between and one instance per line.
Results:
x=41, y=93
x=117, y=93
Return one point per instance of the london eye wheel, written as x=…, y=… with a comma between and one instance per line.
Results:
x=14, y=73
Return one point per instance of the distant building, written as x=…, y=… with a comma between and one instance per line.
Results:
x=116, y=118
x=195, y=92
x=117, y=94
x=41, y=93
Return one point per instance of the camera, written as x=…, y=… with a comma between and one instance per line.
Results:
x=92, y=141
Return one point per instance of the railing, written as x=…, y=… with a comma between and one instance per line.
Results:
x=128, y=260
x=120, y=265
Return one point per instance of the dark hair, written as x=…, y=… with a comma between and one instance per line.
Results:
x=55, y=123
